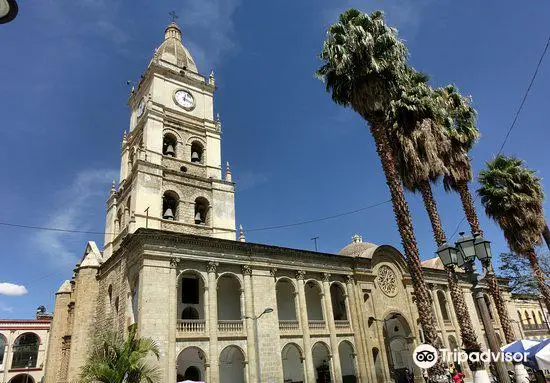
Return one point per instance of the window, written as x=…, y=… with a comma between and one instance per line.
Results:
x=110, y=292
x=190, y=313
x=443, y=305
x=25, y=351
x=170, y=202
x=190, y=291
x=197, y=152
x=169, y=145
x=201, y=211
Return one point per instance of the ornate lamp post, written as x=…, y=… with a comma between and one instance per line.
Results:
x=468, y=249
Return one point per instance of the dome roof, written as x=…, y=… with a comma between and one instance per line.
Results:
x=358, y=248
x=433, y=263
x=172, y=51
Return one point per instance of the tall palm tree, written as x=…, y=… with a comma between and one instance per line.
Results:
x=115, y=360
x=364, y=62
x=460, y=123
x=512, y=196
x=546, y=235
x=417, y=139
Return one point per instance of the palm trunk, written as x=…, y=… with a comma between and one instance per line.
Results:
x=539, y=275
x=469, y=338
x=404, y=225
x=468, y=206
x=471, y=216
x=546, y=235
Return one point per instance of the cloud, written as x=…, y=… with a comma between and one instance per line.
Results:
x=248, y=180
x=12, y=289
x=211, y=22
x=77, y=203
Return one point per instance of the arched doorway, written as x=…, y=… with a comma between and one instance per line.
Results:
x=191, y=365
x=347, y=362
x=232, y=365
x=293, y=365
x=22, y=378
x=398, y=339
x=321, y=362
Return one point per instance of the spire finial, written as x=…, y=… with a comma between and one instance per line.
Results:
x=357, y=238
x=218, y=123
x=241, y=234
x=227, y=172
x=212, y=80
x=113, y=187
x=173, y=15
x=173, y=30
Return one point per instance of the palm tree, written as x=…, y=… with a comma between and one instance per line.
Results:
x=460, y=123
x=364, y=62
x=115, y=360
x=512, y=196
x=417, y=139
x=546, y=235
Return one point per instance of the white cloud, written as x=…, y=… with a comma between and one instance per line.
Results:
x=77, y=203
x=211, y=21
x=12, y=289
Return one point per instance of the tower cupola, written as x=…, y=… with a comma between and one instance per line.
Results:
x=172, y=53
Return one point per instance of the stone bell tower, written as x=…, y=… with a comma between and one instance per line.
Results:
x=171, y=167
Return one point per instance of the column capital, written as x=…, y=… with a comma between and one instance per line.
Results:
x=326, y=277
x=174, y=262
x=300, y=274
x=349, y=279
x=212, y=266
x=273, y=271
x=246, y=269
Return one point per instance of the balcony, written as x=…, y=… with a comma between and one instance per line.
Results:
x=289, y=326
x=230, y=327
x=317, y=326
x=190, y=327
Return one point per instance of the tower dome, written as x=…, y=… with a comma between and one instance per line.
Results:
x=171, y=53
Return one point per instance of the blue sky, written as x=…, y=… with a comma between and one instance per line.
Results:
x=294, y=154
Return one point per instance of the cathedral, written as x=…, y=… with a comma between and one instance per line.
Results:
x=222, y=309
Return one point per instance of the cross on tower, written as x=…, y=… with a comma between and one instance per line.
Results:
x=173, y=14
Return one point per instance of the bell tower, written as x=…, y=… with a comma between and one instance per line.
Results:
x=171, y=169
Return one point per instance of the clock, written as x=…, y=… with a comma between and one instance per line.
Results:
x=141, y=108
x=184, y=99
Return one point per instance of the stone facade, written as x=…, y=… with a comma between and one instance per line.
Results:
x=23, y=347
x=222, y=310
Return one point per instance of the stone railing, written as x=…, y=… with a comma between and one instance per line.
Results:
x=192, y=326
x=341, y=324
x=230, y=326
x=317, y=325
x=534, y=327
x=288, y=325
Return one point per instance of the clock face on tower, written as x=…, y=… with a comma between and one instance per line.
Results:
x=184, y=99
x=141, y=108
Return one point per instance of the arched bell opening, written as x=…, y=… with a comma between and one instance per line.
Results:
x=170, y=204
x=202, y=207
x=169, y=143
x=197, y=152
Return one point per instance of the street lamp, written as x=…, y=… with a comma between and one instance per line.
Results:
x=267, y=310
x=448, y=255
x=466, y=249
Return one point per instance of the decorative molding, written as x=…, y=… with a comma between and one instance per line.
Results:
x=212, y=266
x=300, y=274
x=174, y=262
x=273, y=271
x=350, y=279
x=387, y=281
x=246, y=269
x=326, y=277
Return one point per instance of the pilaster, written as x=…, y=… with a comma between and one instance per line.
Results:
x=304, y=325
x=213, y=322
x=329, y=316
x=249, y=320
x=361, y=355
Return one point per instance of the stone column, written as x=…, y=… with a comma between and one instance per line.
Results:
x=213, y=322
x=173, y=309
x=249, y=321
x=361, y=355
x=304, y=325
x=329, y=317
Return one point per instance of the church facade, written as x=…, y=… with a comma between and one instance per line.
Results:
x=222, y=309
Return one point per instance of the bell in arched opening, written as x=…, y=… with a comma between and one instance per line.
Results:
x=170, y=151
x=168, y=214
x=198, y=218
x=195, y=157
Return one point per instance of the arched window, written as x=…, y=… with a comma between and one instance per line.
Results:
x=169, y=145
x=201, y=211
x=25, y=350
x=338, y=299
x=120, y=220
x=170, y=203
x=197, y=151
x=110, y=293
x=443, y=305
x=190, y=313
x=2, y=348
